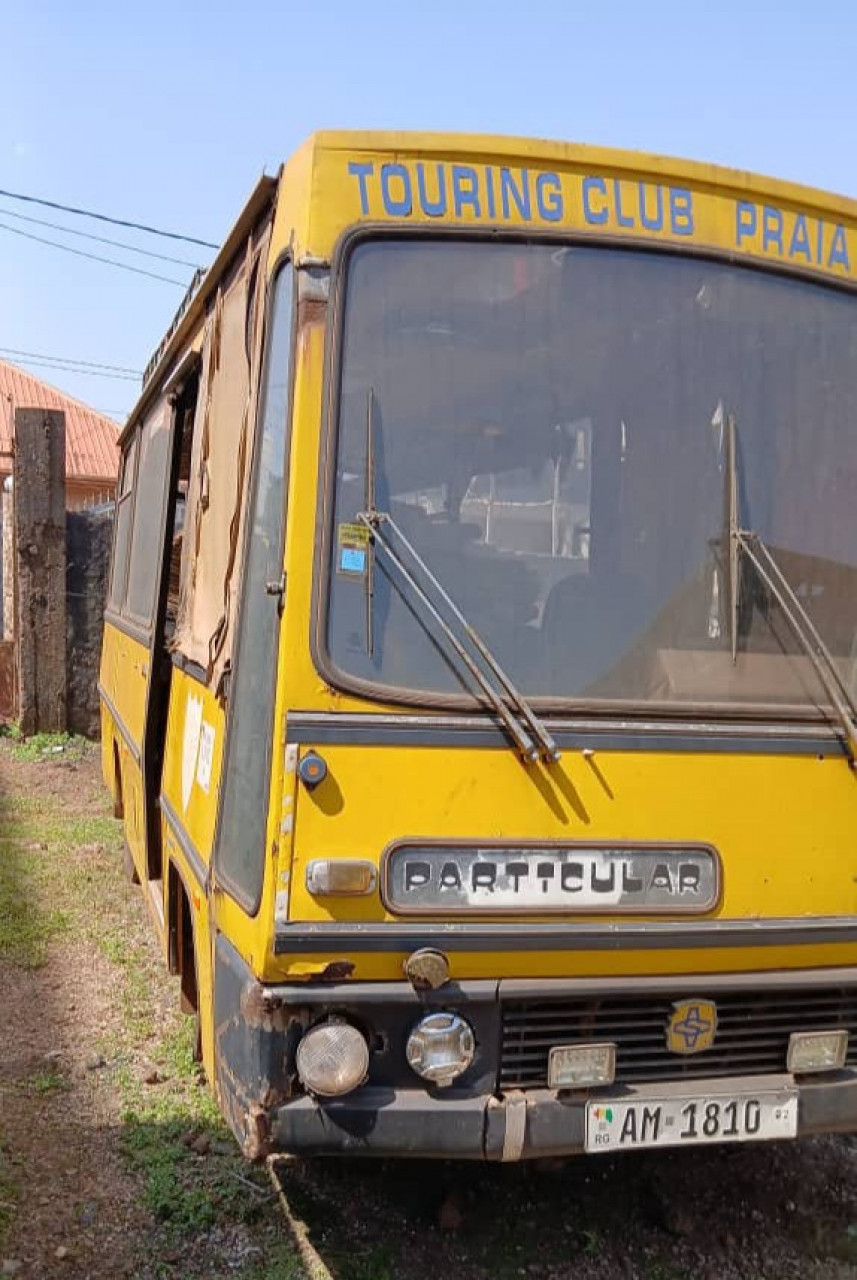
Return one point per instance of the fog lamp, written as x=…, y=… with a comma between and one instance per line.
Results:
x=580, y=1066
x=332, y=1059
x=440, y=1047
x=340, y=876
x=816, y=1051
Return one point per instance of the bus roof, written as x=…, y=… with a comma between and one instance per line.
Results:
x=337, y=176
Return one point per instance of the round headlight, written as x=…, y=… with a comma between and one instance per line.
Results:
x=332, y=1059
x=440, y=1047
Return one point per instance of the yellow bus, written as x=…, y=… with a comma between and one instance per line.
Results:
x=479, y=659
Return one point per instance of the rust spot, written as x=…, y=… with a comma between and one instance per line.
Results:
x=254, y=1007
x=311, y=311
x=272, y=1098
x=336, y=970
x=257, y=1144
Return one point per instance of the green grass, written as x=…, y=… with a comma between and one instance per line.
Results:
x=42, y=878
x=8, y=1192
x=61, y=878
x=28, y=920
x=45, y=746
x=47, y=1082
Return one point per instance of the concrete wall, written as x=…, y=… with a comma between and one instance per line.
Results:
x=88, y=538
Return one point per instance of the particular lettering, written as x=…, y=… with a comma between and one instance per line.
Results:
x=450, y=876
x=689, y=876
x=417, y=874
x=592, y=878
x=483, y=875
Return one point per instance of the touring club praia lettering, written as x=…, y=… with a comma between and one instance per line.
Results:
x=499, y=194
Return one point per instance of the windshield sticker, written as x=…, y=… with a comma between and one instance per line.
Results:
x=352, y=543
x=556, y=199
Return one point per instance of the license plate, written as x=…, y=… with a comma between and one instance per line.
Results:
x=616, y=1124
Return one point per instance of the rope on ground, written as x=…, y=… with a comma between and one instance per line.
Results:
x=316, y=1267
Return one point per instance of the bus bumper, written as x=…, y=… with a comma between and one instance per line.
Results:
x=258, y=1027
x=538, y=1123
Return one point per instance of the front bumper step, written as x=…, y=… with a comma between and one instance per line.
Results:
x=516, y=1126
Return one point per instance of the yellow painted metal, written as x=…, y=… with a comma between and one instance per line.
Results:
x=573, y=189
x=783, y=824
x=123, y=675
x=189, y=777
x=124, y=670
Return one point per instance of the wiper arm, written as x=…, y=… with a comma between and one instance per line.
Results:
x=751, y=545
x=748, y=543
x=527, y=731
x=733, y=524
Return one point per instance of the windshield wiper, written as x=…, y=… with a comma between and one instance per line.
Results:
x=746, y=542
x=526, y=730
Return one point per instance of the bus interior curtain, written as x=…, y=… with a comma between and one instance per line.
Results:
x=222, y=448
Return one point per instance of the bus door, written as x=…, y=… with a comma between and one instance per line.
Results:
x=133, y=681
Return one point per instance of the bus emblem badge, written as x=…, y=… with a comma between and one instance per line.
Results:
x=692, y=1026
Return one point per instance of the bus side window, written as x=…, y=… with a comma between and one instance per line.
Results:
x=240, y=850
x=185, y=412
x=124, y=510
x=147, y=524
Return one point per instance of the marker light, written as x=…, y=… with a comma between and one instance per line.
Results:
x=440, y=1047
x=312, y=770
x=581, y=1066
x=816, y=1051
x=332, y=1059
x=325, y=876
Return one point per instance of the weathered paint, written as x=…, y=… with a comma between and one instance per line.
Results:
x=788, y=853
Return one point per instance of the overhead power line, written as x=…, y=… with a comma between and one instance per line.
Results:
x=103, y=217
x=90, y=364
x=67, y=368
x=88, y=235
x=94, y=257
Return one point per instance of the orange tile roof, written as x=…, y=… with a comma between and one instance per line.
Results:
x=90, y=437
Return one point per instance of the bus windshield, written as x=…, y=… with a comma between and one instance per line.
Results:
x=548, y=429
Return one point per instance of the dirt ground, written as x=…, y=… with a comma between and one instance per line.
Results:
x=113, y=1162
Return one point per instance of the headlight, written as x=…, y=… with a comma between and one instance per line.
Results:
x=440, y=1047
x=332, y=1059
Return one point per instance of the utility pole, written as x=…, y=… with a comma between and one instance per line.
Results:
x=40, y=569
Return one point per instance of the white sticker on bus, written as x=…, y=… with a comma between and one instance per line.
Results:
x=190, y=745
x=206, y=755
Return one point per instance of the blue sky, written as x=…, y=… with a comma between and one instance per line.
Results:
x=166, y=113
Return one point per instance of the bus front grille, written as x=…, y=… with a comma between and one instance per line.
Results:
x=753, y=1029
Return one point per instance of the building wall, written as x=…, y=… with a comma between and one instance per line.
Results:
x=88, y=539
